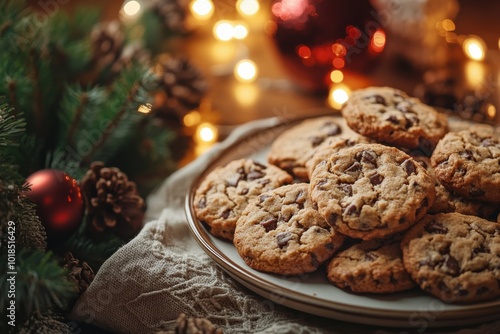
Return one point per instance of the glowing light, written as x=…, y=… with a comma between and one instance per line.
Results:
x=377, y=43
x=206, y=133
x=304, y=52
x=247, y=7
x=499, y=43
x=192, y=118
x=338, y=95
x=448, y=25
x=240, y=31
x=475, y=73
x=336, y=76
x=338, y=63
x=223, y=30
x=474, y=48
x=131, y=8
x=291, y=9
x=245, y=70
x=202, y=9
x=145, y=108
x=246, y=94
x=339, y=50
x=491, y=110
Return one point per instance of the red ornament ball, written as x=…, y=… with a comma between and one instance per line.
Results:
x=59, y=202
x=315, y=37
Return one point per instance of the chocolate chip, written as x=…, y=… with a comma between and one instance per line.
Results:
x=376, y=179
x=332, y=218
x=283, y=238
x=380, y=100
x=244, y=191
x=393, y=119
x=314, y=260
x=321, y=183
x=269, y=224
x=264, y=181
x=425, y=146
x=241, y=170
x=351, y=210
x=347, y=188
x=451, y=265
x=202, y=203
x=474, y=192
x=298, y=197
x=225, y=214
x=316, y=140
x=409, y=166
x=333, y=130
x=233, y=180
x=436, y=227
x=355, y=167
x=411, y=121
x=461, y=291
x=254, y=175
x=369, y=157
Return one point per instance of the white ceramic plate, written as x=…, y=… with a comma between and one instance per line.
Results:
x=313, y=293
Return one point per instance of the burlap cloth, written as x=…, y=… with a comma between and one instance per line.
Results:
x=147, y=283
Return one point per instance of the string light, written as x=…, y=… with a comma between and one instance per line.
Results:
x=240, y=31
x=223, y=30
x=474, y=47
x=247, y=7
x=202, y=9
x=338, y=95
x=336, y=76
x=206, y=133
x=131, y=8
x=192, y=118
x=245, y=70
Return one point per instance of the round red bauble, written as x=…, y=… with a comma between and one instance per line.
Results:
x=59, y=202
x=315, y=37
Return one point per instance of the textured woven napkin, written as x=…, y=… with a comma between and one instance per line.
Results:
x=147, y=283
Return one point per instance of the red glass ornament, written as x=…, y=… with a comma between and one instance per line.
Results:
x=59, y=202
x=315, y=37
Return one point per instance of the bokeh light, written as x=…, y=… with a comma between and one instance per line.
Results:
x=202, y=9
x=131, y=8
x=338, y=95
x=240, y=31
x=192, y=118
x=206, y=133
x=474, y=47
x=336, y=76
x=247, y=7
x=245, y=70
x=145, y=108
x=223, y=30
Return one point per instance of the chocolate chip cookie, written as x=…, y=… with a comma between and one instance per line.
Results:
x=374, y=266
x=290, y=150
x=371, y=191
x=448, y=201
x=224, y=193
x=280, y=232
x=390, y=116
x=454, y=257
x=468, y=163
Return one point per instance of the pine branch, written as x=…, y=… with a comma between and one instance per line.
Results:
x=10, y=127
x=41, y=284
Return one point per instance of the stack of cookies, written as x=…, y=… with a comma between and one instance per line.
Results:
x=386, y=198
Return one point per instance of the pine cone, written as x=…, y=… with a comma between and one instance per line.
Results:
x=185, y=325
x=80, y=274
x=182, y=85
x=46, y=323
x=107, y=44
x=112, y=202
x=172, y=14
